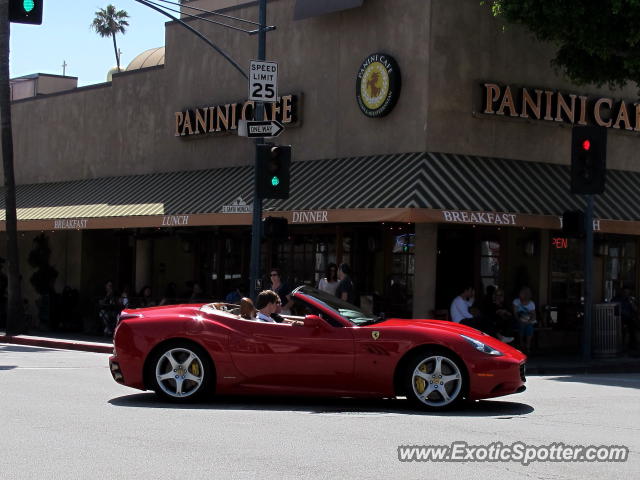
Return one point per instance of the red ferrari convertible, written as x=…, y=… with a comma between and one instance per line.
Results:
x=331, y=347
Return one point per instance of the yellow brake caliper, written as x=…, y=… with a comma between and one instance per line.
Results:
x=420, y=383
x=194, y=368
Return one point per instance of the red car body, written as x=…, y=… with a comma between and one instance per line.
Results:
x=319, y=358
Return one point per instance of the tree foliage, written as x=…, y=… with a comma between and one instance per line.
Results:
x=598, y=40
x=108, y=23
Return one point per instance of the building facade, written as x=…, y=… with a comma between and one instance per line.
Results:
x=431, y=150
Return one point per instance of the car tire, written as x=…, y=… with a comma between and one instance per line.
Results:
x=434, y=379
x=181, y=372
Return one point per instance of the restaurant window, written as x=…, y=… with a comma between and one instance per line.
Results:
x=325, y=254
x=620, y=266
x=566, y=270
x=489, y=263
x=400, y=286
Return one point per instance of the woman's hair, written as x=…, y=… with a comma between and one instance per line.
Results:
x=526, y=291
x=332, y=272
x=345, y=269
x=247, y=310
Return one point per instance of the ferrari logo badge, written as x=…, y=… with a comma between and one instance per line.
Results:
x=375, y=335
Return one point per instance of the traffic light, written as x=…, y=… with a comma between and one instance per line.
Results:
x=274, y=164
x=588, y=159
x=275, y=228
x=573, y=223
x=25, y=11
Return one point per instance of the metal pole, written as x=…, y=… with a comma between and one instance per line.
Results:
x=256, y=233
x=588, y=278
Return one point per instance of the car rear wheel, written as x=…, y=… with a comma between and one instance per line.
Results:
x=434, y=380
x=181, y=372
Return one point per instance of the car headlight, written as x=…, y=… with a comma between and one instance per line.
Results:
x=481, y=347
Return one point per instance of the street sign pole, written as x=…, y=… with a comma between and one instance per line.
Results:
x=588, y=278
x=257, y=202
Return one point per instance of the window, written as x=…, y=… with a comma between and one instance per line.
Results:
x=566, y=270
x=489, y=263
x=620, y=267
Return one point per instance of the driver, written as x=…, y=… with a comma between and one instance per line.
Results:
x=268, y=304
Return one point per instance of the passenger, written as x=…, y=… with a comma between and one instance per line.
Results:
x=247, y=310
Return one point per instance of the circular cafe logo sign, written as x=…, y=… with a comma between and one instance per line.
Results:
x=378, y=85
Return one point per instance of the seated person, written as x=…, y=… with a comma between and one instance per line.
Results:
x=277, y=317
x=247, y=310
x=461, y=305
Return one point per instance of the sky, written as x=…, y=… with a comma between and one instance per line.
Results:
x=65, y=36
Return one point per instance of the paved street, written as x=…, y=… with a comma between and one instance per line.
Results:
x=62, y=416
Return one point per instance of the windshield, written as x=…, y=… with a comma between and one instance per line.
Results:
x=344, y=309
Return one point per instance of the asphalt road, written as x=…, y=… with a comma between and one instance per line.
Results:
x=62, y=416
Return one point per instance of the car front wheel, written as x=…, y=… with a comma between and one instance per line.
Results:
x=434, y=380
x=181, y=372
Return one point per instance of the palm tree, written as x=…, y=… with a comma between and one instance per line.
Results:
x=108, y=22
x=15, y=310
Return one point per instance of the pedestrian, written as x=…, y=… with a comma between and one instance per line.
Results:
x=345, y=288
x=329, y=283
x=628, y=316
x=108, y=309
x=146, y=298
x=524, y=311
x=282, y=290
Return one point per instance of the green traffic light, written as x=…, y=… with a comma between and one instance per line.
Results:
x=275, y=181
x=28, y=5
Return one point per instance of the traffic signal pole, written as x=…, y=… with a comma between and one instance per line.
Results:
x=257, y=200
x=588, y=278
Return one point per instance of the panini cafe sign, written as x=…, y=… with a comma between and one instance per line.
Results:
x=225, y=118
x=480, y=218
x=556, y=106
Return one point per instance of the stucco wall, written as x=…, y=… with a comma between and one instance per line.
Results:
x=468, y=47
x=445, y=50
x=127, y=127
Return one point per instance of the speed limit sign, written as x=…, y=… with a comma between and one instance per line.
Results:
x=263, y=81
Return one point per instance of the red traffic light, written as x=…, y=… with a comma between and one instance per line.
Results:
x=586, y=145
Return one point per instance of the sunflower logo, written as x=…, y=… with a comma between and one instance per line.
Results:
x=378, y=85
x=375, y=86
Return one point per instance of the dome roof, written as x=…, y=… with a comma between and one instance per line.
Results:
x=148, y=58
x=111, y=71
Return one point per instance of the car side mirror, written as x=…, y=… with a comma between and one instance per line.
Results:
x=314, y=321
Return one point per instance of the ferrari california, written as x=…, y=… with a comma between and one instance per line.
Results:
x=327, y=348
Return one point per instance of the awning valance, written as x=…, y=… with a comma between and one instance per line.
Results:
x=415, y=187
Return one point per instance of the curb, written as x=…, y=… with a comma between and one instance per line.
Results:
x=56, y=343
x=623, y=367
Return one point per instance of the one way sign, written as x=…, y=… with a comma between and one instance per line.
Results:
x=260, y=129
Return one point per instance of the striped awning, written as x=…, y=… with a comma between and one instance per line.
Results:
x=412, y=181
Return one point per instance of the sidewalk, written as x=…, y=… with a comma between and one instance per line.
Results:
x=536, y=365
x=61, y=340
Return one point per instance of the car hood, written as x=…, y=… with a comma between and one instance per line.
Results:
x=426, y=323
x=449, y=327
